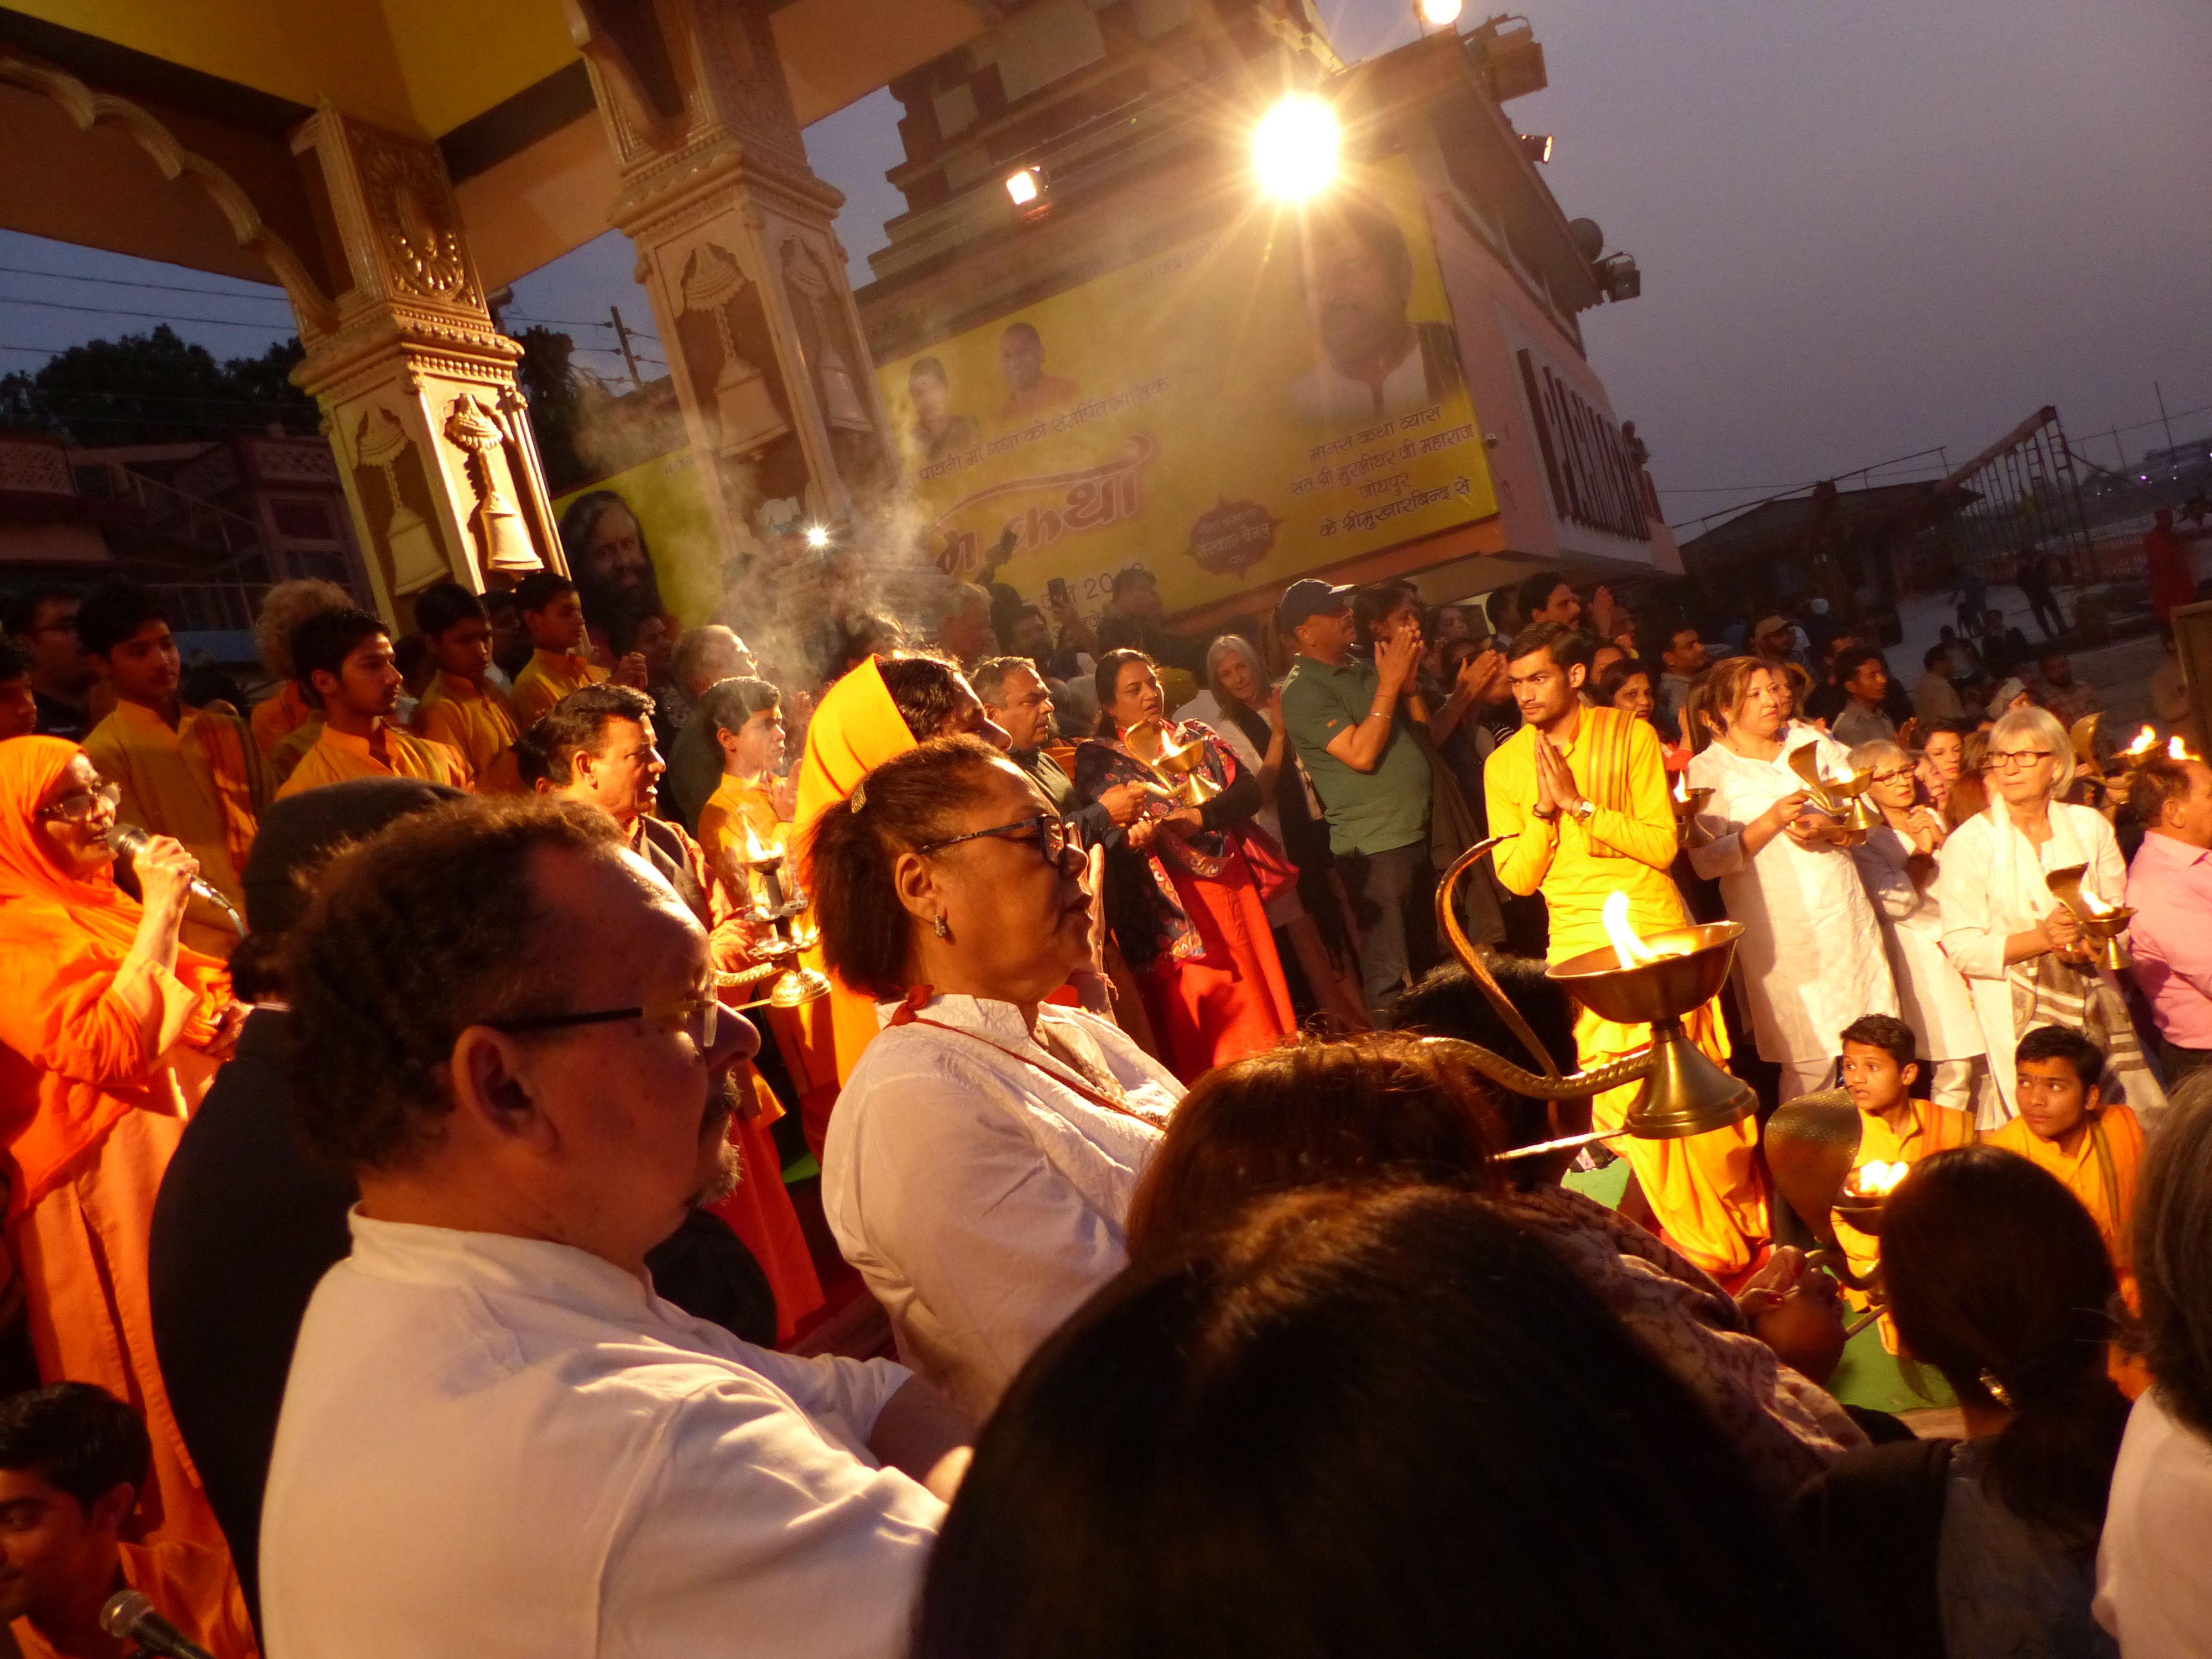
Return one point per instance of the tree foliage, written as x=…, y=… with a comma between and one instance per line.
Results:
x=156, y=388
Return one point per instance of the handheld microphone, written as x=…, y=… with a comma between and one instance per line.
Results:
x=124, y=840
x=130, y=1616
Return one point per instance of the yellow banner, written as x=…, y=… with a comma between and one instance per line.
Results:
x=1267, y=399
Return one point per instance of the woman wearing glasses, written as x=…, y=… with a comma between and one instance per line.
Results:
x=980, y=1162
x=109, y=1028
x=2024, y=954
x=1181, y=897
x=1897, y=863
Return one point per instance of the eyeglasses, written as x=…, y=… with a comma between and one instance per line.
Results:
x=697, y=1016
x=1893, y=775
x=2011, y=759
x=79, y=805
x=1055, y=835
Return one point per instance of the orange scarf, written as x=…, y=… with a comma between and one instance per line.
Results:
x=223, y=736
x=30, y=767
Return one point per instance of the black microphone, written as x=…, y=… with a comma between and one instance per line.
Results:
x=124, y=840
x=130, y=1616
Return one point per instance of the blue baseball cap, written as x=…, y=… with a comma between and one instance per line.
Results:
x=1310, y=597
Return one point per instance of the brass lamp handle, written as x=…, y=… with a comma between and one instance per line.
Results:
x=1465, y=949
x=1630, y=1068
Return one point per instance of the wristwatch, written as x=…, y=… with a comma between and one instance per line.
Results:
x=1586, y=809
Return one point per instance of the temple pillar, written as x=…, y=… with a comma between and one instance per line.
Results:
x=416, y=384
x=737, y=248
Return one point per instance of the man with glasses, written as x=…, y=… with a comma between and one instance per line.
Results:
x=494, y=1437
x=43, y=622
x=597, y=748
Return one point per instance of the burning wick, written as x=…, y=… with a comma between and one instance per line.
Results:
x=2177, y=749
x=766, y=865
x=1876, y=1179
x=2094, y=905
x=2144, y=741
x=1630, y=950
x=1682, y=788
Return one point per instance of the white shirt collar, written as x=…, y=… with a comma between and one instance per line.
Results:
x=495, y=1262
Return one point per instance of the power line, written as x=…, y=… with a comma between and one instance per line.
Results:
x=569, y=322
x=166, y=288
x=152, y=316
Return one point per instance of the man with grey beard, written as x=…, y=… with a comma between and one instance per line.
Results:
x=495, y=1437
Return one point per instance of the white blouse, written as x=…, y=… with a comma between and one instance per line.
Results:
x=979, y=1191
x=1811, y=960
x=1930, y=991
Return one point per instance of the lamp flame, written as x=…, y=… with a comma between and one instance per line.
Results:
x=2177, y=749
x=1682, y=788
x=2145, y=740
x=759, y=853
x=1631, y=950
x=1876, y=1179
x=2094, y=905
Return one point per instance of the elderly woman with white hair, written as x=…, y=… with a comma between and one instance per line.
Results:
x=1897, y=863
x=1245, y=711
x=2026, y=957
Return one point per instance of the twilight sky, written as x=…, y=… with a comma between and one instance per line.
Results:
x=1864, y=228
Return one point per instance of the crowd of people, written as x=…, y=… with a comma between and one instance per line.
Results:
x=403, y=1259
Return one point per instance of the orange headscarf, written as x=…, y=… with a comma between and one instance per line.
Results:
x=30, y=767
x=69, y=1068
x=855, y=729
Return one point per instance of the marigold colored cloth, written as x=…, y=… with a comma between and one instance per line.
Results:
x=856, y=728
x=336, y=756
x=476, y=719
x=277, y=718
x=91, y=1106
x=547, y=677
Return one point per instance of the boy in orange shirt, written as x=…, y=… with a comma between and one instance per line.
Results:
x=2064, y=1124
x=460, y=707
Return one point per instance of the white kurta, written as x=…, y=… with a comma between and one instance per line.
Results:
x=1991, y=886
x=1932, y=995
x=1811, y=960
x=981, y=1197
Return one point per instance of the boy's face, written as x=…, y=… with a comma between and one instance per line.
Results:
x=366, y=683
x=145, y=668
x=465, y=649
x=559, y=626
x=51, y=1547
x=1873, y=1079
x=2052, y=1097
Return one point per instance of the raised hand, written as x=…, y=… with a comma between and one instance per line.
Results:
x=165, y=871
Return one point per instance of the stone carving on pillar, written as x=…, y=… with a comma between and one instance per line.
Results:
x=416, y=378
x=737, y=251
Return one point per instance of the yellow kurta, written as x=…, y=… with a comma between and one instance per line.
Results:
x=735, y=806
x=476, y=719
x=1930, y=1128
x=547, y=677
x=1705, y=1189
x=336, y=757
x=277, y=718
x=173, y=785
x=2101, y=1172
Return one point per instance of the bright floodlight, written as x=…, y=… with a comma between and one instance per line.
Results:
x=1440, y=14
x=818, y=536
x=1023, y=186
x=1294, y=147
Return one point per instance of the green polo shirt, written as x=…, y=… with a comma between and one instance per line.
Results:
x=1368, y=812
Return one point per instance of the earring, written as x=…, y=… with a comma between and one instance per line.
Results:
x=943, y=932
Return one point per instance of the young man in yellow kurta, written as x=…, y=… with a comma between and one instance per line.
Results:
x=344, y=657
x=194, y=774
x=2066, y=1127
x=1583, y=792
x=461, y=708
x=1881, y=1064
x=560, y=640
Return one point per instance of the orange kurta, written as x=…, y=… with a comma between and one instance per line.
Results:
x=1928, y=1128
x=547, y=677
x=855, y=729
x=476, y=720
x=1705, y=1190
x=99, y=1052
x=2101, y=1172
x=277, y=718
x=337, y=757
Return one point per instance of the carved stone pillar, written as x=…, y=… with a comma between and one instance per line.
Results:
x=737, y=248
x=417, y=386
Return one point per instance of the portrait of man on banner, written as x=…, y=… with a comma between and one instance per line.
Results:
x=1357, y=273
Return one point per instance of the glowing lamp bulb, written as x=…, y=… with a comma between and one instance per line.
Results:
x=818, y=536
x=1294, y=147
x=1440, y=14
x=1023, y=186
